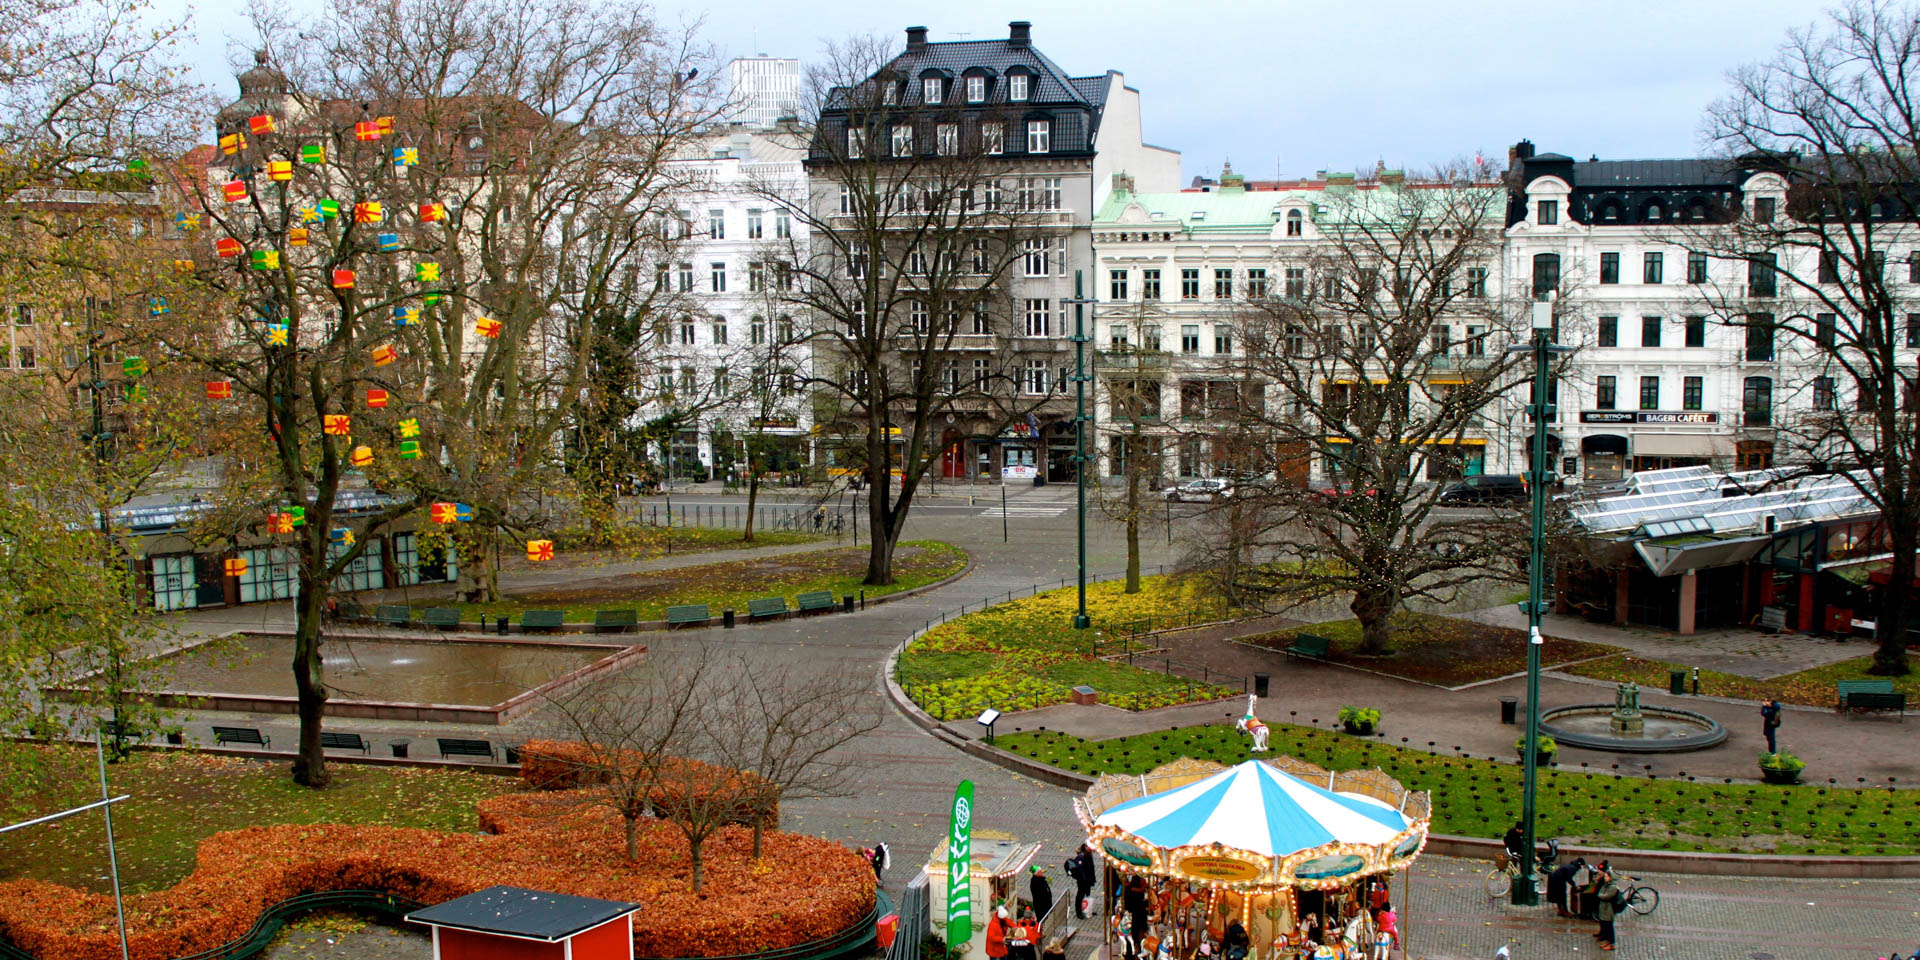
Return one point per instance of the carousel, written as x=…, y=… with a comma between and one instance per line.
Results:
x=1274, y=859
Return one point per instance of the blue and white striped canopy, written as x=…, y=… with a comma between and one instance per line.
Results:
x=1258, y=809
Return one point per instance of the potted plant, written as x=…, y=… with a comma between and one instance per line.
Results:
x=1543, y=749
x=1782, y=767
x=1359, y=720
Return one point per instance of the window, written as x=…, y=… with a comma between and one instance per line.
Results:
x=1189, y=283
x=26, y=358
x=783, y=275
x=1549, y=212
x=1150, y=284
x=856, y=143
x=856, y=260
x=272, y=573
x=1296, y=222
x=1763, y=208
x=1913, y=329
x=1477, y=282
x=889, y=92
x=756, y=276
x=977, y=256
x=1863, y=395
x=1759, y=337
x=1653, y=268
x=918, y=316
x=686, y=331
x=1036, y=262
x=720, y=330
x=1649, y=331
x=1222, y=283
x=1823, y=393
x=1116, y=284
x=1760, y=275
x=1877, y=264
x=1297, y=283
x=1038, y=377
x=1825, y=328
x=846, y=199
x=946, y=139
x=1649, y=393
x=23, y=314
x=1039, y=317
x=1696, y=331
x=755, y=230
x=785, y=329
x=717, y=224
x=1829, y=267
x=1039, y=136
x=1604, y=394
x=1256, y=283
x=1150, y=337
x=782, y=225
x=982, y=321
x=1017, y=87
x=917, y=262
x=1117, y=337
x=993, y=139
x=1609, y=332
x=720, y=380
x=982, y=372
x=1756, y=405
x=757, y=330
x=1440, y=335
x=1546, y=274
x=976, y=89
x=686, y=278
x=1189, y=338
x=1609, y=268
x=1222, y=340
x=931, y=90
x=903, y=139
x=1696, y=268
x=1690, y=393
x=718, y=273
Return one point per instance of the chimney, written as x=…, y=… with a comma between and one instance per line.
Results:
x=1020, y=34
x=1518, y=152
x=916, y=39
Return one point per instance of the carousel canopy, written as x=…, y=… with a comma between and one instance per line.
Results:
x=1258, y=809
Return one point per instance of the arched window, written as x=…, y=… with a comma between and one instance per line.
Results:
x=1653, y=211
x=1546, y=274
x=1295, y=219
x=1611, y=211
x=1757, y=402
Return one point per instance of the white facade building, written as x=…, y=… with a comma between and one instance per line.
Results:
x=762, y=90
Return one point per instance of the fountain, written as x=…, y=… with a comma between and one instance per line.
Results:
x=1627, y=727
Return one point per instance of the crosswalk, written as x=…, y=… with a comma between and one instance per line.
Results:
x=1051, y=510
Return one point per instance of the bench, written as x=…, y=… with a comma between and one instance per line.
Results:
x=1846, y=690
x=225, y=735
x=766, y=607
x=614, y=620
x=452, y=746
x=1774, y=619
x=446, y=618
x=542, y=619
x=1896, y=702
x=352, y=610
x=1311, y=646
x=814, y=601
x=344, y=741
x=688, y=615
x=392, y=614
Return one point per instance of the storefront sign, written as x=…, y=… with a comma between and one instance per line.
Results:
x=1210, y=867
x=1606, y=416
x=1648, y=416
x=960, y=865
x=1125, y=852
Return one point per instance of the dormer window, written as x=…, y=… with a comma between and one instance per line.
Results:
x=856, y=143
x=890, y=93
x=930, y=91
x=1039, y=136
x=1653, y=210
x=1295, y=223
x=1017, y=87
x=976, y=89
x=903, y=140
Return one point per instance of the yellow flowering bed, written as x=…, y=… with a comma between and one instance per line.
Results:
x=1025, y=653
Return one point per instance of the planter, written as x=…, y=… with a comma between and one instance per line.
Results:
x=1779, y=776
x=176, y=739
x=1359, y=729
x=399, y=747
x=513, y=754
x=1539, y=759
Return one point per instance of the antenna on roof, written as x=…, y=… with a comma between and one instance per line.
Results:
x=962, y=34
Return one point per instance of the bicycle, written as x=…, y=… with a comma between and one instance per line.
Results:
x=1499, y=881
x=1641, y=899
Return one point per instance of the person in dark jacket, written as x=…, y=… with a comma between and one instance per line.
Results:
x=1080, y=868
x=1770, y=723
x=1604, y=909
x=1235, y=943
x=1134, y=900
x=1559, y=880
x=1041, y=890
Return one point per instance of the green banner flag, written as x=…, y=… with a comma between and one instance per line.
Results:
x=959, y=867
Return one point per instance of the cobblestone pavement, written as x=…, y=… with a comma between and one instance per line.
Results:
x=1747, y=653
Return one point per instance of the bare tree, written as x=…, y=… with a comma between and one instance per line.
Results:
x=1834, y=116
x=1359, y=364
x=1130, y=377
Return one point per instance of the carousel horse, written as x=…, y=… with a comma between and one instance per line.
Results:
x=1251, y=724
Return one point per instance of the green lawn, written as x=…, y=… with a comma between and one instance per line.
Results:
x=1810, y=687
x=1480, y=798
x=642, y=541
x=179, y=797
x=730, y=585
x=1445, y=651
x=1025, y=653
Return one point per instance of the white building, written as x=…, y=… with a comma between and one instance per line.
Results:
x=762, y=90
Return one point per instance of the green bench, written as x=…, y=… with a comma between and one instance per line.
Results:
x=542, y=619
x=1311, y=646
x=457, y=747
x=1855, y=695
x=688, y=615
x=814, y=601
x=445, y=618
x=614, y=621
x=344, y=741
x=766, y=607
x=1846, y=690
x=392, y=614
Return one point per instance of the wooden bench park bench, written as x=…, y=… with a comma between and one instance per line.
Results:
x=226, y=735
x=455, y=747
x=445, y=618
x=688, y=615
x=1845, y=690
x=814, y=601
x=542, y=619
x=1309, y=645
x=1896, y=702
x=766, y=607
x=344, y=741
x=614, y=621
x=393, y=614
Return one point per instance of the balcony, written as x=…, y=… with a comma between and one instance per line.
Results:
x=1130, y=359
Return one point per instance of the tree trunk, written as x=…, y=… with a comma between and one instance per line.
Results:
x=699, y=864
x=1374, y=609
x=309, y=762
x=479, y=573
x=753, y=496
x=633, y=837
x=1133, y=524
x=759, y=832
x=1890, y=621
x=879, y=523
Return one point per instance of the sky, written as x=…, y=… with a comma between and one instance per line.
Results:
x=1283, y=89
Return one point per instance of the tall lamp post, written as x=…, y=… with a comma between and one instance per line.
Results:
x=1538, y=477
x=1081, y=420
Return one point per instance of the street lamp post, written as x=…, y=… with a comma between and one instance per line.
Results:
x=1081, y=420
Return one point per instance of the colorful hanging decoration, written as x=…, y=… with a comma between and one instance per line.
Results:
x=444, y=513
x=385, y=125
x=236, y=566
x=186, y=222
x=183, y=266
x=409, y=449
x=406, y=316
x=406, y=156
x=376, y=398
x=463, y=513
x=384, y=355
x=279, y=523
x=233, y=143
x=343, y=279
x=137, y=166
x=367, y=211
x=281, y=170
x=433, y=212
x=134, y=367
x=278, y=335
x=487, y=327
x=227, y=247
x=431, y=299
x=426, y=272
x=362, y=455
x=235, y=191
x=313, y=153
x=136, y=391
x=337, y=424
x=309, y=213
x=389, y=242
x=329, y=209
x=366, y=130
x=157, y=307
x=410, y=427
x=297, y=236
x=340, y=537
x=260, y=124
x=266, y=259
x=539, y=551
x=298, y=515
x=219, y=390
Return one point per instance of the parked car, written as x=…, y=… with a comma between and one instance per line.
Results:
x=1335, y=489
x=1487, y=488
x=1200, y=491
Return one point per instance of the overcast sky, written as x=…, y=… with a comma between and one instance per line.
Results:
x=1288, y=87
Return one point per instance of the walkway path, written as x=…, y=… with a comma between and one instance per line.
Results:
x=1746, y=653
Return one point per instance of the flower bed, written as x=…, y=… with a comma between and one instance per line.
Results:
x=1025, y=653
x=1443, y=651
x=802, y=889
x=569, y=764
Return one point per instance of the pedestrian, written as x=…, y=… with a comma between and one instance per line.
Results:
x=1560, y=881
x=1388, y=925
x=1041, y=890
x=1134, y=900
x=1080, y=868
x=997, y=933
x=1770, y=723
x=1515, y=841
x=1604, y=908
x=1023, y=937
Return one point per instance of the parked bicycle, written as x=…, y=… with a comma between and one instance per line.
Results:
x=1641, y=899
x=1506, y=870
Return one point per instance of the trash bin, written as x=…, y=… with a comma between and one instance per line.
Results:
x=726, y=619
x=1039, y=480
x=846, y=603
x=1260, y=683
x=513, y=754
x=502, y=621
x=1509, y=709
x=399, y=748
x=1677, y=682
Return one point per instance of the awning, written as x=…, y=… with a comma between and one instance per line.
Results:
x=1682, y=445
x=1664, y=559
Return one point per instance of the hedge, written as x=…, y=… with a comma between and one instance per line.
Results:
x=570, y=764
